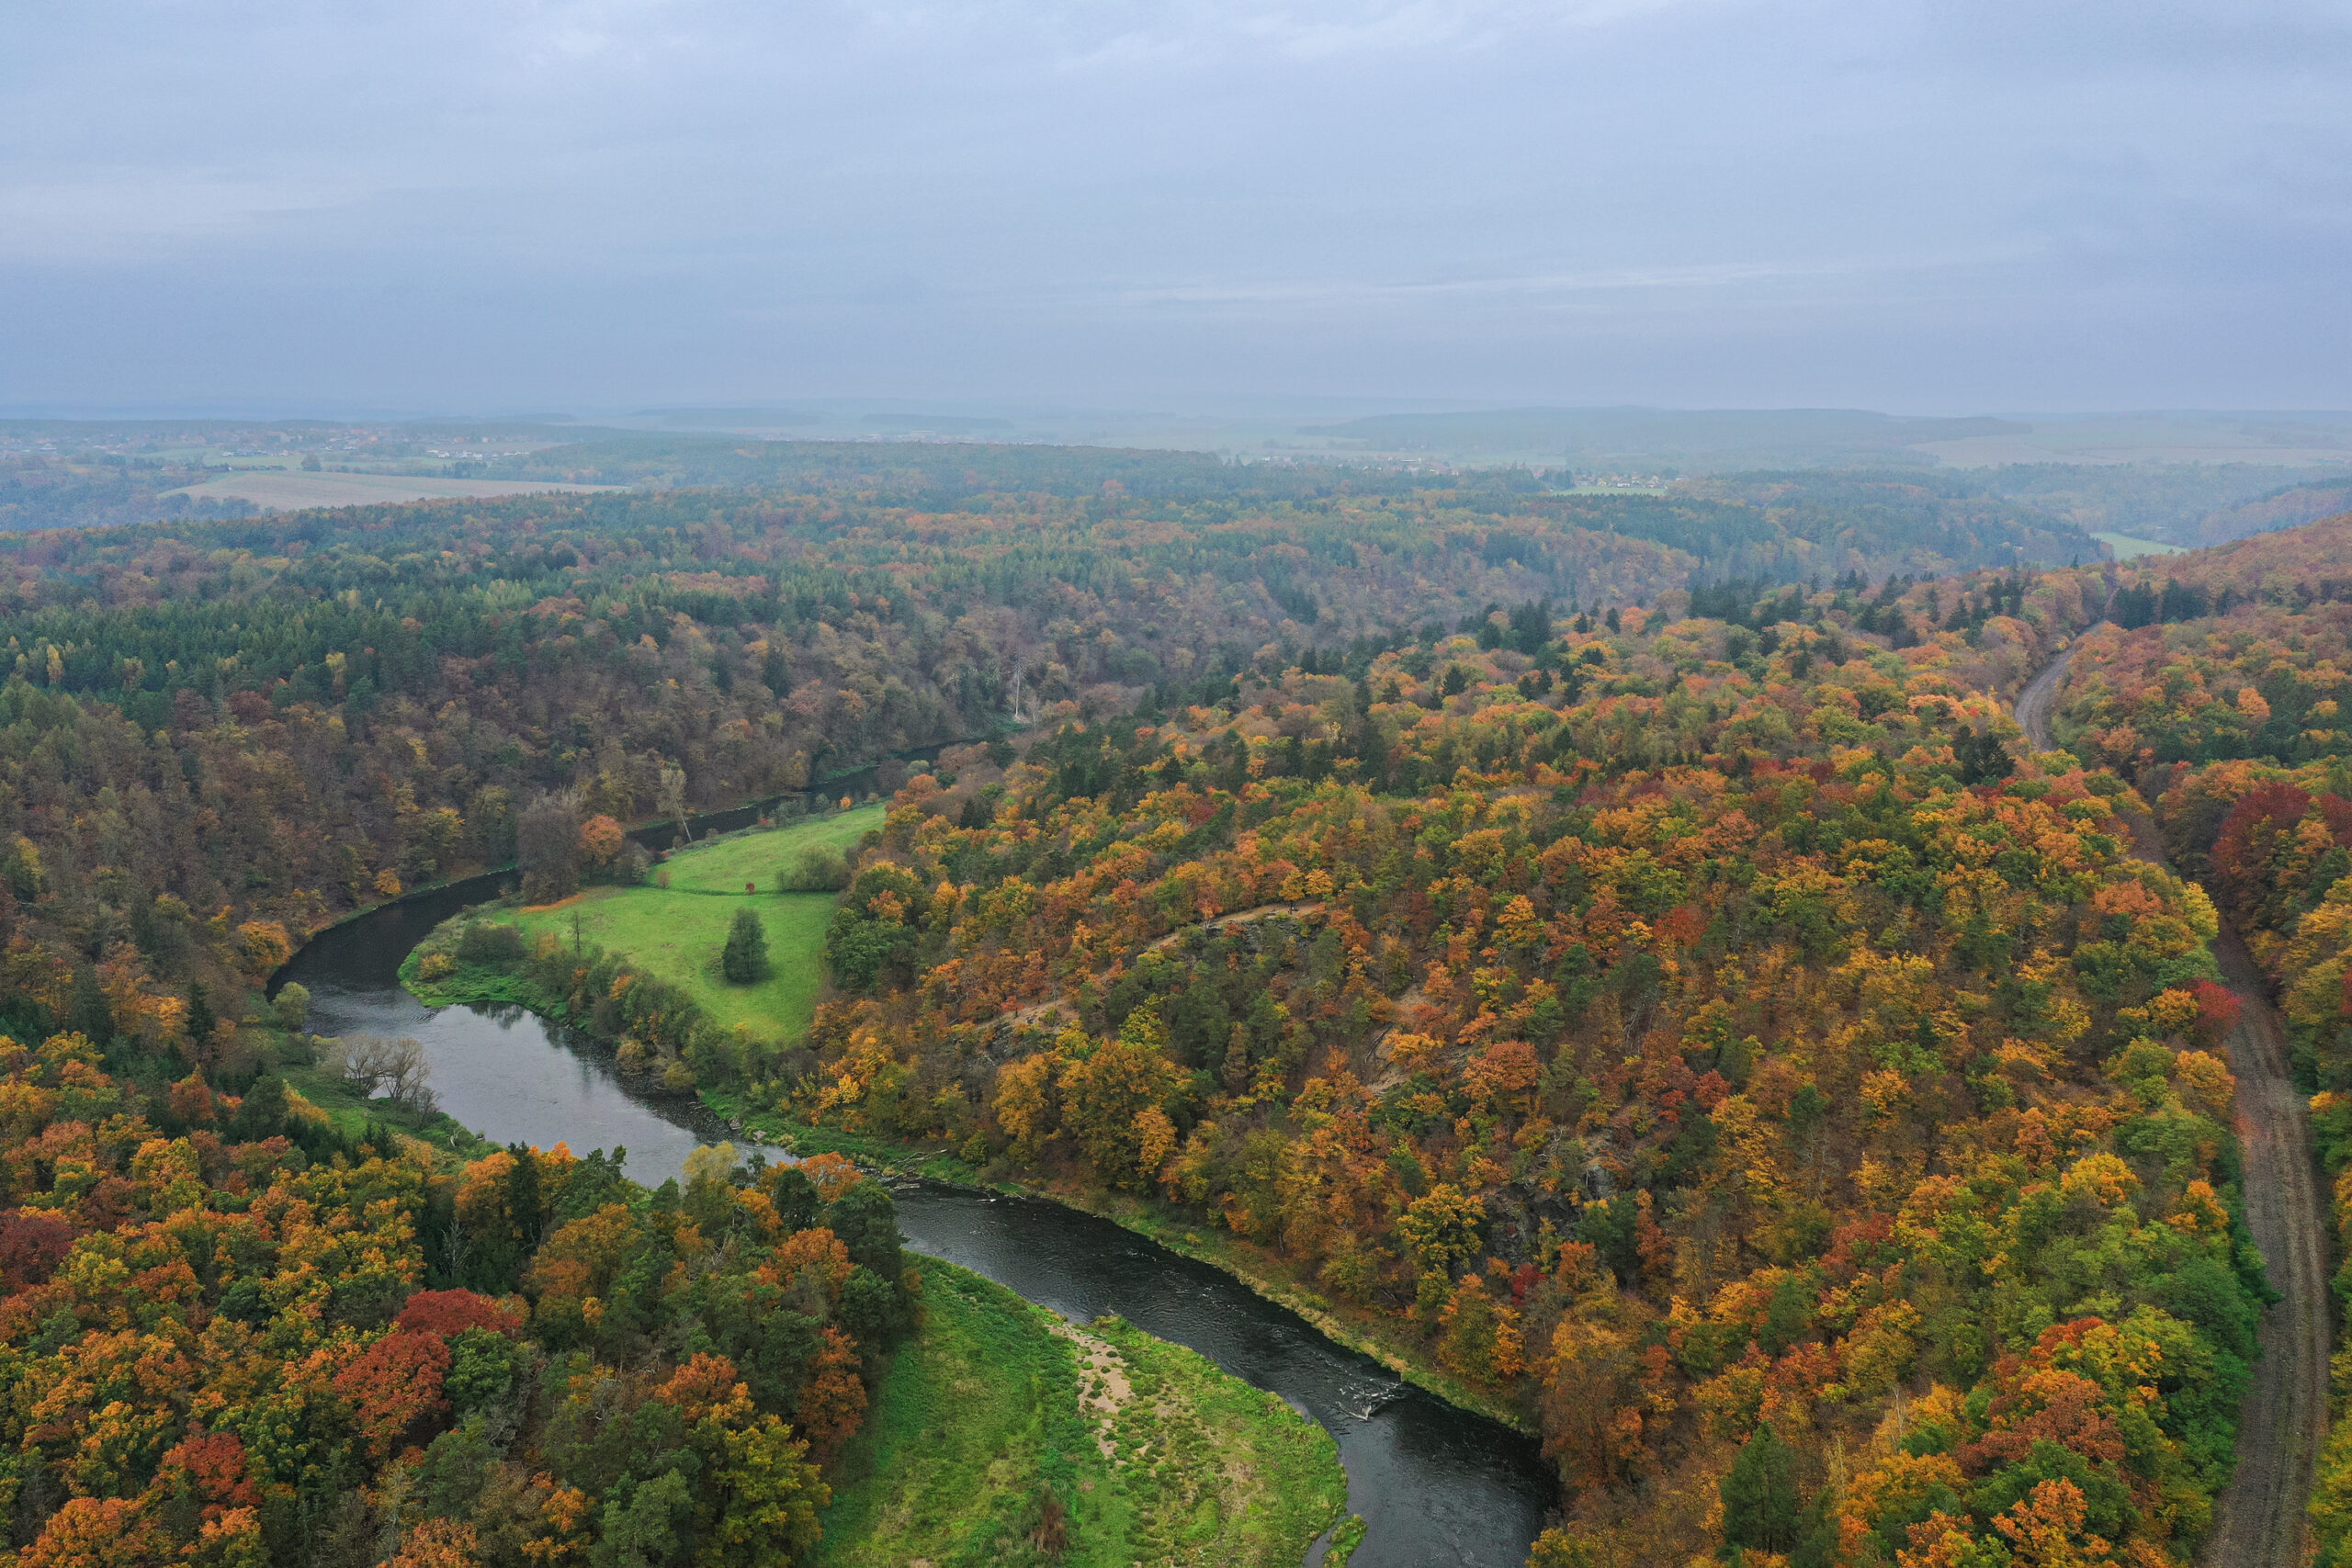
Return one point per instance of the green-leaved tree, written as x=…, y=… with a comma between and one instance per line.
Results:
x=745, y=960
x=1762, y=1509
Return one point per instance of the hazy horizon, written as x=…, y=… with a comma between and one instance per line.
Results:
x=600, y=205
x=232, y=408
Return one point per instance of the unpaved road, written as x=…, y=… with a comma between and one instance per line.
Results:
x=2258, y=1519
x=2035, y=702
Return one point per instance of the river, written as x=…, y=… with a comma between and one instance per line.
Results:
x=1436, y=1484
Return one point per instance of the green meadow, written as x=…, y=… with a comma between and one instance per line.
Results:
x=995, y=1420
x=675, y=932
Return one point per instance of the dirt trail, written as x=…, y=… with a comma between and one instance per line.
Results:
x=2035, y=702
x=1103, y=1389
x=2258, y=1519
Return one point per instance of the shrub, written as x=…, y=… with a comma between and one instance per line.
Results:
x=818, y=868
x=483, y=942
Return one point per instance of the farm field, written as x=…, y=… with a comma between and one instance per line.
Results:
x=283, y=489
x=675, y=932
x=2126, y=547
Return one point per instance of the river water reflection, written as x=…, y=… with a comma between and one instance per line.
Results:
x=1436, y=1485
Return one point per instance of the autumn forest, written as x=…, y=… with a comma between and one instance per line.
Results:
x=1642, y=967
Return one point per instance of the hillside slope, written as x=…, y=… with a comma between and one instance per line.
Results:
x=2260, y=1516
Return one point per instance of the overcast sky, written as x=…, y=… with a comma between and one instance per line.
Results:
x=1957, y=207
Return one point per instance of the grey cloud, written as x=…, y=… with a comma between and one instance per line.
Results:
x=1937, y=206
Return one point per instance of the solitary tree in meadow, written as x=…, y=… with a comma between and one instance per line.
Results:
x=745, y=960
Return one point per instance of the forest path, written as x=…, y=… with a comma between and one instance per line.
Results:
x=2258, y=1519
x=2035, y=702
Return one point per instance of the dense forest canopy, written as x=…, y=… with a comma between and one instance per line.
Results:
x=1613, y=947
x=2218, y=691
x=380, y=689
x=1699, y=1036
x=237, y=1337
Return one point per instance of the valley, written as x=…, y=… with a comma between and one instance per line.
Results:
x=1692, y=1023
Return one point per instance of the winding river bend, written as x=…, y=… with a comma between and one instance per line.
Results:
x=1435, y=1484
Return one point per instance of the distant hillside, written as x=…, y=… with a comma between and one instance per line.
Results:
x=2220, y=656
x=2286, y=566
x=1710, y=439
x=2287, y=508
x=58, y=493
x=931, y=473
x=1922, y=524
x=2166, y=501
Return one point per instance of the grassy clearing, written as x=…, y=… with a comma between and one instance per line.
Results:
x=1217, y=1472
x=763, y=857
x=677, y=937
x=675, y=932
x=998, y=1406
x=1344, y=1541
x=2126, y=547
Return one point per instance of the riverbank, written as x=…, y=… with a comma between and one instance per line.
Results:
x=1001, y=1427
x=351, y=1112
x=291, y=1055
x=1367, y=1332
x=1357, y=1329
x=472, y=986
x=1433, y=1479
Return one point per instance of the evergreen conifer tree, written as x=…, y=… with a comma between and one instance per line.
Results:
x=1982, y=759
x=200, y=1021
x=263, y=1114
x=1762, y=1509
x=745, y=960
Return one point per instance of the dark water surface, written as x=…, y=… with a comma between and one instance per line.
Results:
x=1436, y=1485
